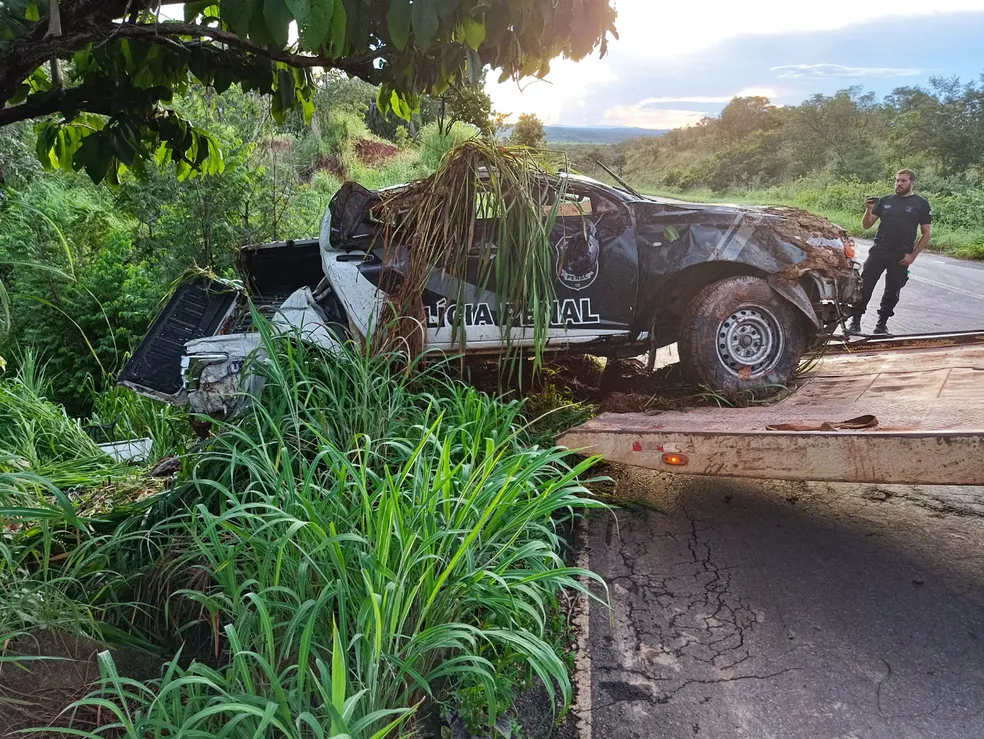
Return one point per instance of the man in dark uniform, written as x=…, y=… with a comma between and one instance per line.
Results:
x=902, y=215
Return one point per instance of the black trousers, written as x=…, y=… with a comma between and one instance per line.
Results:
x=896, y=275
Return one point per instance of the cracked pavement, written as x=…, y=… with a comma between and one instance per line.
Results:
x=773, y=609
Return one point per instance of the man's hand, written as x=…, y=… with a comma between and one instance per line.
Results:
x=908, y=259
x=869, y=219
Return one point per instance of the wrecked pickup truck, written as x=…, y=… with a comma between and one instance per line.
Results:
x=743, y=291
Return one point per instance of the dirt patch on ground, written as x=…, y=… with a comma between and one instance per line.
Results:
x=33, y=693
x=332, y=165
x=624, y=403
x=375, y=152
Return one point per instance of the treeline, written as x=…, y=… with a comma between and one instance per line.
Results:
x=826, y=153
x=84, y=267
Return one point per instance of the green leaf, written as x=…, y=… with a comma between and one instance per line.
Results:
x=20, y=95
x=475, y=67
x=398, y=19
x=124, y=148
x=47, y=133
x=32, y=13
x=339, y=683
x=193, y=9
x=313, y=21
x=400, y=106
x=259, y=31
x=425, y=22
x=278, y=20
x=446, y=9
x=671, y=233
x=338, y=31
x=94, y=155
x=237, y=14
x=473, y=32
x=285, y=98
x=66, y=143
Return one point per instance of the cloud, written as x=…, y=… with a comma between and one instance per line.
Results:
x=649, y=29
x=762, y=92
x=678, y=54
x=569, y=84
x=825, y=71
x=637, y=116
x=648, y=102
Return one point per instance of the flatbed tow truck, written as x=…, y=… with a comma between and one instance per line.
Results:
x=906, y=409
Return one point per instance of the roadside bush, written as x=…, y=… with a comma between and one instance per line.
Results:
x=433, y=146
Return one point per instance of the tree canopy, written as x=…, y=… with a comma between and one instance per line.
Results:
x=101, y=72
x=528, y=131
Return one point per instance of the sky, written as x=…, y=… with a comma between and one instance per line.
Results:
x=676, y=62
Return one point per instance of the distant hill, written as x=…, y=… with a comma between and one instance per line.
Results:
x=596, y=134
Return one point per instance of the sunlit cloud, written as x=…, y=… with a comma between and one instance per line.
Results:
x=641, y=117
x=649, y=102
x=648, y=113
x=568, y=84
x=673, y=36
x=821, y=71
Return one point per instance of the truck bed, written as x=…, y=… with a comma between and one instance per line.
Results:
x=926, y=393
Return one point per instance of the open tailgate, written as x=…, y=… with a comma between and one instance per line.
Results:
x=198, y=308
x=926, y=392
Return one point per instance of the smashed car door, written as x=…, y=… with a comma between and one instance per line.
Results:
x=595, y=280
x=596, y=272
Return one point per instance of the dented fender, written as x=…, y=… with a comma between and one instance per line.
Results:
x=793, y=292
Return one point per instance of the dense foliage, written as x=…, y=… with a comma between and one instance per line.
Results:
x=101, y=72
x=528, y=131
x=86, y=267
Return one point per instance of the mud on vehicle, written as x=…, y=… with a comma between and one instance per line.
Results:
x=743, y=292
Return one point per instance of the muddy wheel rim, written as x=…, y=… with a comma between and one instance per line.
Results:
x=750, y=342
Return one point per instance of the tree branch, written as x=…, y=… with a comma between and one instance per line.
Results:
x=91, y=21
x=360, y=66
x=89, y=99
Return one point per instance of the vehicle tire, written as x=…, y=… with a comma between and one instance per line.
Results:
x=739, y=335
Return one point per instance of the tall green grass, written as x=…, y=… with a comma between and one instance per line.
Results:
x=365, y=541
x=38, y=436
x=120, y=414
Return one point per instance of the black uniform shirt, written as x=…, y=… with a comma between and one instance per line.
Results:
x=900, y=220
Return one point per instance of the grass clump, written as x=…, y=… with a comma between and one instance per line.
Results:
x=362, y=546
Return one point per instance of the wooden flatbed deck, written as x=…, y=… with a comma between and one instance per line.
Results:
x=927, y=394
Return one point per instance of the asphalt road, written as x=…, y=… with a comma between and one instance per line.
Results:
x=784, y=610
x=765, y=609
x=943, y=294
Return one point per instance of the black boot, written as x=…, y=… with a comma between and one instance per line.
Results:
x=854, y=327
x=881, y=328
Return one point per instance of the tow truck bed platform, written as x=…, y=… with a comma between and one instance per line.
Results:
x=926, y=392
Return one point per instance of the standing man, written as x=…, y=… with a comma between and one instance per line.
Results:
x=901, y=214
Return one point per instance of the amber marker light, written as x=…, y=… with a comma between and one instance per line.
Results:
x=675, y=459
